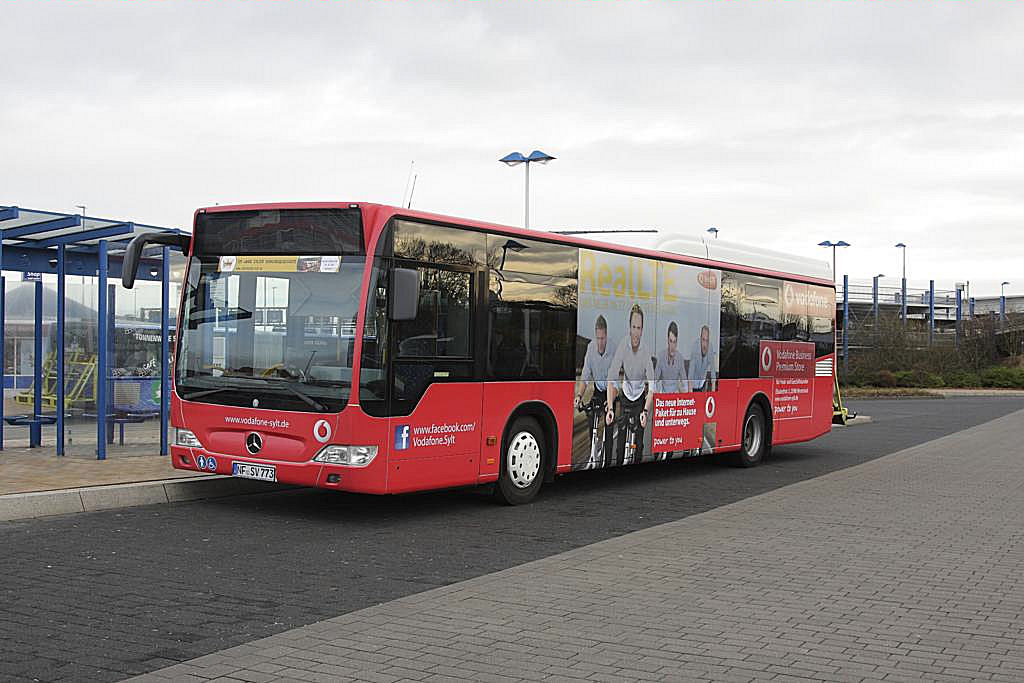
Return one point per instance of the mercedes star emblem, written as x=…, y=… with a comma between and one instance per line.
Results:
x=253, y=443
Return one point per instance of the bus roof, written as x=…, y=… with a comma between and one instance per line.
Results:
x=710, y=252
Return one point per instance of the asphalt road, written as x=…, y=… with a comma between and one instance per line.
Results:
x=104, y=595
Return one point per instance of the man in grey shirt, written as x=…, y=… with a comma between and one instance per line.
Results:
x=670, y=372
x=702, y=374
x=634, y=361
x=595, y=371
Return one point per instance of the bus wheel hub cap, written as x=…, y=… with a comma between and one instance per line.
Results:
x=523, y=459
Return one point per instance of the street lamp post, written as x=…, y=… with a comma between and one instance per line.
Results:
x=827, y=243
x=874, y=295
x=516, y=158
x=1002, y=301
x=713, y=231
x=903, y=286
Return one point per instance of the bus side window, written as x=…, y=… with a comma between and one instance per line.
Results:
x=760, y=318
x=437, y=345
x=729, y=351
x=531, y=327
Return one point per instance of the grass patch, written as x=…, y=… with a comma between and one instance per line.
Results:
x=889, y=392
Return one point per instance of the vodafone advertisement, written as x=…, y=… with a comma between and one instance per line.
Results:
x=791, y=364
x=684, y=422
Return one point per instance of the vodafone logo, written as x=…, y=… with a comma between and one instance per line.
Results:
x=709, y=407
x=766, y=358
x=787, y=294
x=322, y=431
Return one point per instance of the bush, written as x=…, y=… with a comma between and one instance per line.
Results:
x=962, y=378
x=1003, y=378
x=884, y=378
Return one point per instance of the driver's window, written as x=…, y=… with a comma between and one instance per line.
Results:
x=443, y=325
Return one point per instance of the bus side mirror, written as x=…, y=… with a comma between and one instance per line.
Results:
x=405, y=294
x=133, y=254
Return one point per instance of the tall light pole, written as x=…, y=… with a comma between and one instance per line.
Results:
x=1002, y=301
x=714, y=231
x=827, y=243
x=535, y=157
x=903, y=284
x=874, y=294
x=900, y=245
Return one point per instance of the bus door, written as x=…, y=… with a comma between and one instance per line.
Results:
x=435, y=399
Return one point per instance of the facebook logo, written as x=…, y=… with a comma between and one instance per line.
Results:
x=401, y=437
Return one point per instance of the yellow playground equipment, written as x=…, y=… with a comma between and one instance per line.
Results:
x=79, y=381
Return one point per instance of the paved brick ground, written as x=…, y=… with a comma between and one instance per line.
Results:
x=24, y=470
x=903, y=568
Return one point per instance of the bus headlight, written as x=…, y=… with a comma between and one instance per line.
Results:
x=184, y=437
x=353, y=456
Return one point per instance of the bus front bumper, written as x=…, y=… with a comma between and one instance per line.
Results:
x=369, y=479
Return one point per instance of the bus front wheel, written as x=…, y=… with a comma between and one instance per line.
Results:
x=522, y=463
x=754, y=438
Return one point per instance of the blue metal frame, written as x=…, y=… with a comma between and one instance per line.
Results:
x=95, y=234
x=34, y=252
x=62, y=223
x=35, y=431
x=101, y=356
x=61, y=285
x=874, y=297
x=846, y=327
x=1002, y=308
x=959, y=314
x=931, y=311
x=970, y=307
x=165, y=349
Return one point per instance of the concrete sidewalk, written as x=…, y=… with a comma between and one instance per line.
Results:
x=36, y=483
x=903, y=568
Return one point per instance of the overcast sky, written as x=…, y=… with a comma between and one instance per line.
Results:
x=782, y=124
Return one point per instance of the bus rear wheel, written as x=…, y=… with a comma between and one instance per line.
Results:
x=522, y=463
x=754, y=435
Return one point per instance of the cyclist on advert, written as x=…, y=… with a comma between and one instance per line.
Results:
x=595, y=373
x=702, y=373
x=670, y=372
x=634, y=361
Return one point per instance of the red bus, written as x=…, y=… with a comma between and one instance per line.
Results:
x=375, y=349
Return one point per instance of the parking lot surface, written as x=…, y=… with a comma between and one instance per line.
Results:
x=100, y=596
x=903, y=568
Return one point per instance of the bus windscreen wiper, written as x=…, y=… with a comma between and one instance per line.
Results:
x=310, y=401
x=206, y=392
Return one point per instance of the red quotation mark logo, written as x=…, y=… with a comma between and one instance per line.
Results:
x=766, y=358
x=709, y=407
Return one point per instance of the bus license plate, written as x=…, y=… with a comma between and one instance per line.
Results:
x=249, y=471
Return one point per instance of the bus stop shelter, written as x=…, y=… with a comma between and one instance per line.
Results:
x=62, y=244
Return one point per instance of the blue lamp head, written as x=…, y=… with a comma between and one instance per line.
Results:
x=539, y=157
x=513, y=159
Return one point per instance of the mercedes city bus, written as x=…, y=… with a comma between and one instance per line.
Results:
x=375, y=349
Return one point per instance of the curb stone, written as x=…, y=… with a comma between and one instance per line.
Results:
x=88, y=499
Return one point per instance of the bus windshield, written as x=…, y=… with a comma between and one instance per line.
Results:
x=269, y=330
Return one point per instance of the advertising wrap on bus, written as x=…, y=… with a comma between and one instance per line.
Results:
x=651, y=359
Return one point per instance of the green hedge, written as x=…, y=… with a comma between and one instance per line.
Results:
x=1003, y=378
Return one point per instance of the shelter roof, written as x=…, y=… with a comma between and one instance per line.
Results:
x=38, y=229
